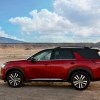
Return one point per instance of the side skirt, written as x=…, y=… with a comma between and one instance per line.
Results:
x=48, y=80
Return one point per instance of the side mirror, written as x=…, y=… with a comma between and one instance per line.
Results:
x=33, y=59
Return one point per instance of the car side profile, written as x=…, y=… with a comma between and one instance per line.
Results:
x=77, y=65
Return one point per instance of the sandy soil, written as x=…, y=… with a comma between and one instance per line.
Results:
x=15, y=54
x=48, y=91
x=42, y=90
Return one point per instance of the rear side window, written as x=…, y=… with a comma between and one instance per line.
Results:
x=89, y=54
x=63, y=54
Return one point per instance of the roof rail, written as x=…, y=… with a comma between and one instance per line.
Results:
x=71, y=47
x=86, y=47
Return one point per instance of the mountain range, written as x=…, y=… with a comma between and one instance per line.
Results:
x=97, y=45
x=8, y=40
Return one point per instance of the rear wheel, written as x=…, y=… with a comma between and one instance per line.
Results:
x=80, y=80
x=15, y=79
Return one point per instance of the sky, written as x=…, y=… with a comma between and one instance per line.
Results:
x=56, y=21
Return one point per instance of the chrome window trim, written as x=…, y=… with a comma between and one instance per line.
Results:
x=56, y=59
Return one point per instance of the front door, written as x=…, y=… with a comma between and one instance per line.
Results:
x=39, y=68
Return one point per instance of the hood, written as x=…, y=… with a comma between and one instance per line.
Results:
x=16, y=61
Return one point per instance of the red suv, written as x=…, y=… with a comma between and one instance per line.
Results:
x=78, y=65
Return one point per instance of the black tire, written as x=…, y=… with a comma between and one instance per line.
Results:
x=80, y=80
x=15, y=79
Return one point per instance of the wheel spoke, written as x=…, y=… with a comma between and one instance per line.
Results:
x=15, y=83
x=81, y=77
x=81, y=85
x=84, y=82
x=76, y=77
x=11, y=77
x=18, y=79
x=76, y=82
x=11, y=81
x=16, y=75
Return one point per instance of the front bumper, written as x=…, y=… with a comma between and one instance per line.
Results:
x=2, y=74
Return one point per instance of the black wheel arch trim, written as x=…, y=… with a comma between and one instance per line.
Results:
x=14, y=68
x=73, y=70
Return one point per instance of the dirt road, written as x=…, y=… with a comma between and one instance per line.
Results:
x=48, y=91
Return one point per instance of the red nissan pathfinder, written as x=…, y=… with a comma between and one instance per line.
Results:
x=77, y=65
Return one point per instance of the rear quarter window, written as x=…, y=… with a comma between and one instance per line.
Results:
x=89, y=54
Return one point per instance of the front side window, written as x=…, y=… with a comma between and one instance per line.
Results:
x=45, y=55
x=63, y=54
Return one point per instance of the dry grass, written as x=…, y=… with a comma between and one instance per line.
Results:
x=16, y=54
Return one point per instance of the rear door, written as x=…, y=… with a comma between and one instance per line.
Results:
x=61, y=60
x=51, y=64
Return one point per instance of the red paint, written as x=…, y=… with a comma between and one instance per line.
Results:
x=53, y=68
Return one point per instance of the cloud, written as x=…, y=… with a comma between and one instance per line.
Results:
x=45, y=22
x=4, y=34
x=70, y=18
x=51, y=38
x=83, y=12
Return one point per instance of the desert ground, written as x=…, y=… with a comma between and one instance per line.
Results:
x=41, y=90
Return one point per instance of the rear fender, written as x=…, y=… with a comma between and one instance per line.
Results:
x=86, y=70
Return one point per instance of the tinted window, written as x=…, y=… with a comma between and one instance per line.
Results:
x=45, y=55
x=99, y=53
x=90, y=54
x=63, y=54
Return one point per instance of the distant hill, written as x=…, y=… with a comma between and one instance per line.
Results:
x=28, y=46
x=8, y=40
x=11, y=43
x=97, y=45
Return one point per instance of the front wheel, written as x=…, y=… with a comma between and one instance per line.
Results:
x=15, y=79
x=80, y=80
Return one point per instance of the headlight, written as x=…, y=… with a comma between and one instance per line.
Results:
x=3, y=65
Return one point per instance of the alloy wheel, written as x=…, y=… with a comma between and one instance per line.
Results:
x=14, y=79
x=80, y=80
